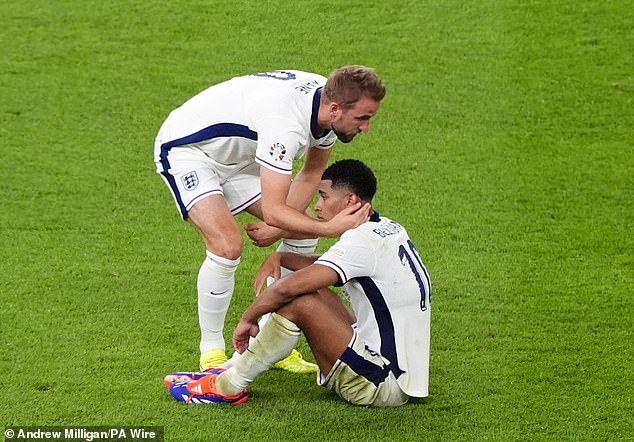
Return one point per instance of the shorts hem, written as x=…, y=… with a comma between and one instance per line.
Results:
x=198, y=198
x=246, y=204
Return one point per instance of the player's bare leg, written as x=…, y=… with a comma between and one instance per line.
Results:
x=326, y=323
x=216, y=278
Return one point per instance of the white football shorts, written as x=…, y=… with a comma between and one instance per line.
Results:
x=361, y=377
x=191, y=176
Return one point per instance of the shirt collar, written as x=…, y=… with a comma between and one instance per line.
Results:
x=315, y=130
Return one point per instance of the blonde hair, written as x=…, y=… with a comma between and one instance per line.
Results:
x=348, y=84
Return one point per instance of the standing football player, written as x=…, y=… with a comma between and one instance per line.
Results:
x=231, y=148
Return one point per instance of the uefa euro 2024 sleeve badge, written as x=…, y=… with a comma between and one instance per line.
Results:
x=190, y=180
x=277, y=151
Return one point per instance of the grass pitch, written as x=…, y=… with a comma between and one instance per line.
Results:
x=504, y=145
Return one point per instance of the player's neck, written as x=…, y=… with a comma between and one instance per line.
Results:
x=324, y=119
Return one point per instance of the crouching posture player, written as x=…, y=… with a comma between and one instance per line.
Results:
x=232, y=148
x=378, y=354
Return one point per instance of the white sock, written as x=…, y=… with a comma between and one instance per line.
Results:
x=299, y=246
x=274, y=342
x=231, y=361
x=216, y=280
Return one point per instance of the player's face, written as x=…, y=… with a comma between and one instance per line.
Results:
x=332, y=201
x=348, y=122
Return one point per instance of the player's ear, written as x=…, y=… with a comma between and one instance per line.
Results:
x=334, y=109
x=352, y=199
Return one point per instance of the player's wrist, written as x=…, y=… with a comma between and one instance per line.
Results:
x=323, y=229
x=247, y=319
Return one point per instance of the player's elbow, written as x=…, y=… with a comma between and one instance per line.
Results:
x=284, y=291
x=269, y=219
x=270, y=216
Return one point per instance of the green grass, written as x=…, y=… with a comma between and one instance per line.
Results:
x=505, y=145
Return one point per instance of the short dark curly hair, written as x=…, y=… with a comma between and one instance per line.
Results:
x=353, y=175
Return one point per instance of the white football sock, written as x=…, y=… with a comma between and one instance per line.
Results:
x=299, y=246
x=274, y=342
x=216, y=280
x=232, y=360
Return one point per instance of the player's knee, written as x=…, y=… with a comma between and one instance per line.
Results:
x=232, y=249
x=299, y=308
x=227, y=246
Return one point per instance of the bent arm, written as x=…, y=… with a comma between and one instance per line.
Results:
x=284, y=201
x=278, y=213
x=307, y=280
x=272, y=267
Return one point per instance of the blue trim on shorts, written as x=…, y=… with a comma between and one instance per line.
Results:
x=213, y=131
x=361, y=366
x=245, y=204
x=165, y=164
x=384, y=322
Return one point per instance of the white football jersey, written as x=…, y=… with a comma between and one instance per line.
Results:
x=269, y=118
x=389, y=290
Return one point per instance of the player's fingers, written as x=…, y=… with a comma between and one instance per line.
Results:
x=351, y=209
x=362, y=215
x=239, y=342
x=255, y=280
x=365, y=210
x=362, y=212
x=240, y=345
x=259, y=284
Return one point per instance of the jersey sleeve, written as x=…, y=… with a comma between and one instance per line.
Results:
x=349, y=257
x=280, y=142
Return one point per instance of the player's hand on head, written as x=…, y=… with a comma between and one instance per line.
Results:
x=349, y=218
x=261, y=234
x=270, y=267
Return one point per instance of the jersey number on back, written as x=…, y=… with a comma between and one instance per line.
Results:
x=417, y=267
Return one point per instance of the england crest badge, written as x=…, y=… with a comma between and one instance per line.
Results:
x=190, y=180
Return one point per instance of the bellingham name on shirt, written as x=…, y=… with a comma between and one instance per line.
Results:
x=391, y=228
